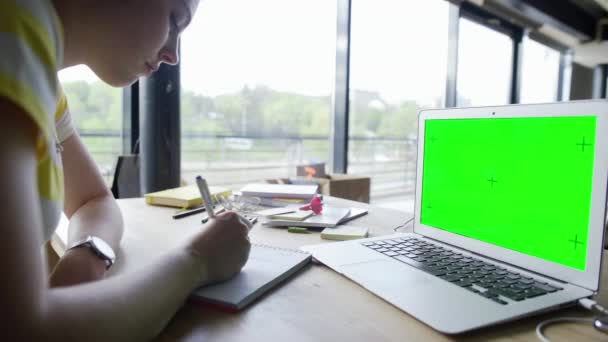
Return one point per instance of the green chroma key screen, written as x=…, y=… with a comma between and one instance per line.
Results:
x=519, y=183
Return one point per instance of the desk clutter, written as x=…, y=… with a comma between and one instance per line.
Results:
x=295, y=208
x=346, y=186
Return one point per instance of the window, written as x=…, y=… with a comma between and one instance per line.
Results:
x=484, y=66
x=540, y=72
x=256, y=88
x=97, y=115
x=398, y=66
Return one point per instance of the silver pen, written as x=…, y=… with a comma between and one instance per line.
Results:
x=205, y=195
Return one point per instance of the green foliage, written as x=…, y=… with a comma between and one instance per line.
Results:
x=255, y=115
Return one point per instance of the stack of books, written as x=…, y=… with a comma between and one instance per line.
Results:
x=280, y=195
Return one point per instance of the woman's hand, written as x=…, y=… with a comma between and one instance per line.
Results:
x=222, y=248
x=78, y=265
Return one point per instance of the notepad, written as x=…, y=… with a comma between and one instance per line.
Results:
x=298, y=215
x=275, y=211
x=330, y=217
x=341, y=233
x=183, y=197
x=267, y=267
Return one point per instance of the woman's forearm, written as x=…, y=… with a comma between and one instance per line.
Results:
x=129, y=307
x=100, y=217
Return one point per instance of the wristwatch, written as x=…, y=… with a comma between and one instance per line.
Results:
x=99, y=247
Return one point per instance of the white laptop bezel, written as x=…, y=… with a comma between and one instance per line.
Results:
x=590, y=277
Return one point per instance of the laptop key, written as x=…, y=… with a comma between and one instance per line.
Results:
x=509, y=294
x=382, y=250
x=546, y=287
x=498, y=300
x=410, y=261
x=436, y=271
x=534, y=292
x=391, y=253
x=463, y=283
x=451, y=277
x=521, y=286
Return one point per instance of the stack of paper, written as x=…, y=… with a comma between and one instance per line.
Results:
x=330, y=217
x=285, y=191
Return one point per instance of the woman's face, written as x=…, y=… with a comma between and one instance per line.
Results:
x=138, y=36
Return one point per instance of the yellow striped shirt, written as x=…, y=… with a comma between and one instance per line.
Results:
x=31, y=52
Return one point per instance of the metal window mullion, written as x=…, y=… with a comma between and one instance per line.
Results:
x=160, y=146
x=565, y=76
x=452, y=67
x=600, y=74
x=516, y=68
x=339, y=133
x=130, y=118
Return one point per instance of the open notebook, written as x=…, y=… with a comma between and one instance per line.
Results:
x=267, y=266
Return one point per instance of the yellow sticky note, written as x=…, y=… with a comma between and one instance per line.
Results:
x=344, y=233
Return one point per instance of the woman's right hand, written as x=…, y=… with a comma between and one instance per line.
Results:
x=221, y=248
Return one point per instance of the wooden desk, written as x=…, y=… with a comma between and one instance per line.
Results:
x=315, y=305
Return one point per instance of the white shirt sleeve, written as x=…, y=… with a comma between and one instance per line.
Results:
x=64, y=126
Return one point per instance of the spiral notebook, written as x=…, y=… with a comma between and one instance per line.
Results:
x=266, y=267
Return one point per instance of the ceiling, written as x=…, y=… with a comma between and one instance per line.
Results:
x=581, y=25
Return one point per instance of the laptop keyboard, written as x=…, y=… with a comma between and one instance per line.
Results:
x=487, y=280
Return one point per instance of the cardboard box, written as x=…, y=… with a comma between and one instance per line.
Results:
x=351, y=187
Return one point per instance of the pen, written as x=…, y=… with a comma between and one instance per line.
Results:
x=189, y=212
x=202, y=187
x=206, y=219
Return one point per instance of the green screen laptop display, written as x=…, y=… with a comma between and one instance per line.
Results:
x=519, y=183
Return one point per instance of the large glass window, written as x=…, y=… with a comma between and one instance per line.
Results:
x=398, y=66
x=257, y=79
x=484, y=66
x=540, y=72
x=96, y=110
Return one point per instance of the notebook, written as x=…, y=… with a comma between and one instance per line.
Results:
x=183, y=197
x=341, y=233
x=267, y=267
x=353, y=214
x=330, y=217
x=280, y=190
x=298, y=215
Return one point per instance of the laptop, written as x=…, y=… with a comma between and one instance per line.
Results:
x=510, y=208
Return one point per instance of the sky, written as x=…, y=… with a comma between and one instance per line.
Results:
x=398, y=48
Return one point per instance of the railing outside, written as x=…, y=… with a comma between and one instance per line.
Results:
x=233, y=160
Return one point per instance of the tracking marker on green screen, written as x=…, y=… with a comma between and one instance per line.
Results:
x=519, y=183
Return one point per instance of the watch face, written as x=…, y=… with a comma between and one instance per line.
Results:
x=103, y=247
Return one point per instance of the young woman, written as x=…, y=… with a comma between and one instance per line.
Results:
x=46, y=169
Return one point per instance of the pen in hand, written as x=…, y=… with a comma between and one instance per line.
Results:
x=205, y=195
